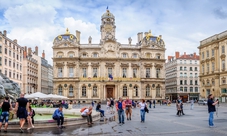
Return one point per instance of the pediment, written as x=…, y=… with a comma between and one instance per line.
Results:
x=95, y=64
x=71, y=64
x=158, y=65
x=124, y=65
x=148, y=65
x=134, y=65
x=60, y=64
x=83, y=65
x=109, y=65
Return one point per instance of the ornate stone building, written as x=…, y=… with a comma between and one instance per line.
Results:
x=213, y=61
x=109, y=69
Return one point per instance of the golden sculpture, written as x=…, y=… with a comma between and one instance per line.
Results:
x=148, y=35
x=67, y=31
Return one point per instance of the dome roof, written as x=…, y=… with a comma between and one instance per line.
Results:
x=107, y=14
x=66, y=36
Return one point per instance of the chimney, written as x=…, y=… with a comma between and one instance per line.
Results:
x=43, y=55
x=15, y=40
x=184, y=54
x=78, y=36
x=138, y=37
x=177, y=54
x=36, y=50
x=5, y=33
x=25, y=52
x=141, y=36
x=194, y=56
x=169, y=57
x=29, y=51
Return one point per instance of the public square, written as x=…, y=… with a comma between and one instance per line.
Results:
x=159, y=121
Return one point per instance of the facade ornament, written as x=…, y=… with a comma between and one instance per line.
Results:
x=95, y=64
x=158, y=65
x=124, y=65
x=71, y=64
x=148, y=65
x=223, y=56
x=89, y=39
x=129, y=41
x=60, y=64
x=83, y=65
x=67, y=31
x=109, y=65
x=134, y=65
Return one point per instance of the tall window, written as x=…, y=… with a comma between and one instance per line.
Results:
x=10, y=53
x=196, y=75
x=84, y=91
x=147, y=72
x=196, y=69
x=5, y=50
x=95, y=72
x=185, y=89
x=158, y=56
x=190, y=68
x=71, y=55
x=185, y=82
x=185, y=68
x=181, y=74
x=5, y=72
x=212, y=66
x=184, y=61
x=158, y=91
x=223, y=64
x=223, y=49
x=84, y=70
x=124, y=72
x=181, y=68
x=196, y=89
x=95, y=55
x=10, y=63
x=0, y=48
x=71, y=72
x=124, y=90
x=181, y=82
x=191, y=89
x=180, y=61
x=207, y=54
x=212, y=52
x=95, y=93
x=185, y=74
x=110, y=71
x=124, y=55
x=181, y=89
x=135, y=91
x=60, y=90
x=208, y=68
x=6, y=61
x=60, y=73
x=196, y=82
x=70, y=90
x=191, y=75
x=134, y=72
x=157, y=73
x=191, y=82
x=203, y=68
x=148, y=90
x=202, y=55
x=134, y=55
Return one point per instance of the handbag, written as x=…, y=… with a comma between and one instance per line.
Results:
x=146, y=109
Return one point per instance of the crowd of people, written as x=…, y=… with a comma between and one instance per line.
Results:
x=23, y=109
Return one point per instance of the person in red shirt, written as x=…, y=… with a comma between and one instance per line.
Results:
x=128, y=109
x=120, y=106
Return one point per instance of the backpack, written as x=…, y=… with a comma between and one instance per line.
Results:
x=112, y=102
x=84, y=108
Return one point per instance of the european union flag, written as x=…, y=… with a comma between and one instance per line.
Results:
x=110, y=76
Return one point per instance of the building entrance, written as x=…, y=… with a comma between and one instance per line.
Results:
x=109, y=93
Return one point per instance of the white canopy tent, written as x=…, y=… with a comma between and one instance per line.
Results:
x=38, y=95
x=59, y=97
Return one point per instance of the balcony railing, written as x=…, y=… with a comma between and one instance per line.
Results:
x=108, y=79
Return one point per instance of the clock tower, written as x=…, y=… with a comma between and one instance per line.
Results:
x=108, y=27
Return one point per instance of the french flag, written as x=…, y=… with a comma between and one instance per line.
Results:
x=111, y=77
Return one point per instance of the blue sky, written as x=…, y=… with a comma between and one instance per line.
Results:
x=182, y=23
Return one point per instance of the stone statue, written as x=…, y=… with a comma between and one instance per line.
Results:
x=8, y=88
x=89, y=39
x=129, y=40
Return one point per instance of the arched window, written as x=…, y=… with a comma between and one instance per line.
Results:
x=59, y=90
x=158, y=91
x=135, y=91
x=84, y=93
x=95, y=93
x=158, y=73
x=70, y=90
x=148, y=90
x=124, y=90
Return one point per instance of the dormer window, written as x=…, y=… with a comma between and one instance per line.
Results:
x=158, y=57
x=71, y=55
x=84, y=55
x=134, y=55
x=124, y=55
x=95, y=55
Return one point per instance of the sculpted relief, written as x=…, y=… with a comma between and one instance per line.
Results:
x=110, y=49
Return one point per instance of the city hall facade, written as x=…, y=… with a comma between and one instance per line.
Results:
x=109, y=69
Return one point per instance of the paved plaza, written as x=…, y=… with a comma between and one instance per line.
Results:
x=160, y=121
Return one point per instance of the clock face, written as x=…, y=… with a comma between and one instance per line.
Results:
x=108, y=27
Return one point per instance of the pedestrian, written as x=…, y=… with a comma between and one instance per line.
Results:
x=111, y=106
x=29, y=118
x=128, y=108
x=192, y=104
x=6, y=107
x=142, y=106
x=182, y=108
x=87, y=113
x=108, y=106
x=178, y=106
x=70, y=105
x=150, y=104
x=120, y=107
x=21, y=110
x=98, y=108
x=92, y=103
x=59, y=116
x=211, y=109
x=154, y=103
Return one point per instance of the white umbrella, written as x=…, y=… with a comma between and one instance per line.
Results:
x=37, y=95
x=54, y=96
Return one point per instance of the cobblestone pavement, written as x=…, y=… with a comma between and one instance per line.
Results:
x=159, y=121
